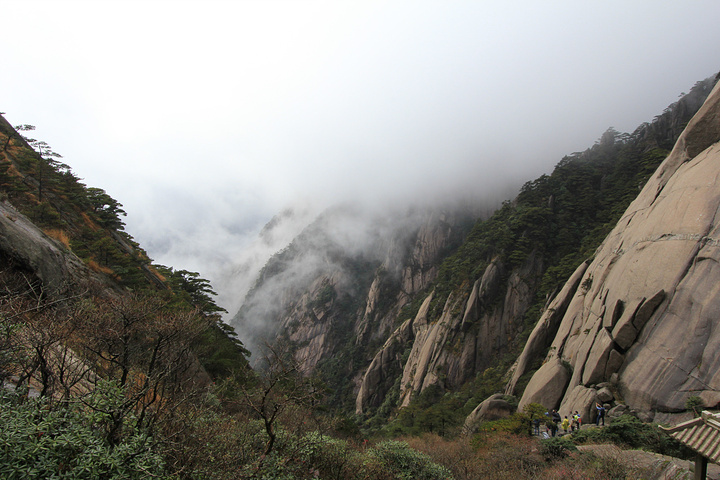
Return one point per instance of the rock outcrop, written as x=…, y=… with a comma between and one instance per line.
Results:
x=469, y=335
x=25, y=244
x=546, y=327
x=387, y=363
x=646, y=313
x=493, y=408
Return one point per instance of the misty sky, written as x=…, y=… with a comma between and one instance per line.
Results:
x=204, y=119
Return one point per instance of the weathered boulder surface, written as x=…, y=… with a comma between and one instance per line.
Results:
x=493, y=408
x=546, y=327
x=648, y=313
x=24, y=243
x=429, y=340
x=547, y=386
x=582, y=400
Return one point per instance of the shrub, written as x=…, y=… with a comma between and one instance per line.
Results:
x=590, y=467
x=535, y=411
x=43, y=441
x=96, y=267
x=517, y=423
x=212, y=444
x=628, y=431
x=331, y=457
x=695, y=404
x=556, y=448
x=59, y=235
x=394, y=459
x=505, y=455
x=457, y=454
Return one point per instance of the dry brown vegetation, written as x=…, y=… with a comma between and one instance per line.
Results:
x=506, y=456
x=59, y=235
x=96, y=267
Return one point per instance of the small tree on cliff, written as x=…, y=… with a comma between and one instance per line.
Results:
x=47, y=164
x=695, y=404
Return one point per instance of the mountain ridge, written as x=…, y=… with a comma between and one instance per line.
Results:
x=509, y=264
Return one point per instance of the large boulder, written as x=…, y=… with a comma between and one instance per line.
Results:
x=582, y=400
x=597, y=359
x=493, y=408
x=648, y=315
x=25, y=244
x=547, y=386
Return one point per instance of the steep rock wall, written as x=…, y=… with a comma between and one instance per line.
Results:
x=646, y=314
x=387, y=362
x=417, y=270
x=469, y=335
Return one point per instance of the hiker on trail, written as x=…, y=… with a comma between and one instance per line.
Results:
x=536, y=426
x=575, y=421
x=553, y=427
x=555, y=416
x=601, y=414
x=565, y=423
x=555, y=420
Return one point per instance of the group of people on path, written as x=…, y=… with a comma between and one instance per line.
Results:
x=554, y=422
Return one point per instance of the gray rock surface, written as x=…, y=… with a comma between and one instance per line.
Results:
x=662, y=264
x=492, y=408
x=471, y=331
x=547, y=386
x=604, y=395
x=580, y=399
x=21, y=241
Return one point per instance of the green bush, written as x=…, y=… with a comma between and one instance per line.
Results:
x=628, y=431
x=397, y=460
x=556, y=448
x=695, y=404
x=517, y=423
x=42, y=441
x=331, y=457
x=271, y=467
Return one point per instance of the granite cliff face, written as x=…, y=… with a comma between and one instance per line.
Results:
x=472, y=330
x=639, y=325
x=477, y=326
